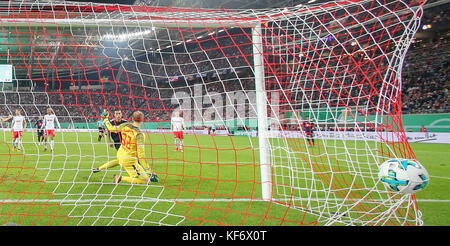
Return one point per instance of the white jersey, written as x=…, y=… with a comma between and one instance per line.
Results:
x=49, y=122
x=177, y=124
x=18, y=123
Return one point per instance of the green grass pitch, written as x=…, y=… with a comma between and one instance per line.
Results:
x=214, y=182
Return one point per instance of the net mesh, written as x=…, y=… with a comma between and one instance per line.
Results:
x=334, y=68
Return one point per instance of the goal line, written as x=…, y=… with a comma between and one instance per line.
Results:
x=152, y=200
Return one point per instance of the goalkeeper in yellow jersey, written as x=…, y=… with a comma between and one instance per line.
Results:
x=131, y=154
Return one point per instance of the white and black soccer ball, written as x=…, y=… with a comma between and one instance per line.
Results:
x=403, y=175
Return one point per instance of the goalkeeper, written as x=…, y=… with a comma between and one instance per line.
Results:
x=131, y=154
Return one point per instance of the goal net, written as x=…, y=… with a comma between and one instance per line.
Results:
x=289, y=112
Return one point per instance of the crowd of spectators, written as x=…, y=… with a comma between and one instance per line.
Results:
x=426, y=70
x=426, y=79
x=86, y=105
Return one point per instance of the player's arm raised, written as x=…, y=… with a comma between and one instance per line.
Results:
x=110, y=127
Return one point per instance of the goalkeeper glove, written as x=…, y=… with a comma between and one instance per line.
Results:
x=153, y=177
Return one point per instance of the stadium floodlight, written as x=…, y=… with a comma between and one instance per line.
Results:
x=127, y=36
x=290, y=112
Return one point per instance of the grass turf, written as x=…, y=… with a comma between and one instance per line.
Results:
x=214, y=182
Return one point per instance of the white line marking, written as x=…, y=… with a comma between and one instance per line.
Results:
x=77, y=201
x=439, y=177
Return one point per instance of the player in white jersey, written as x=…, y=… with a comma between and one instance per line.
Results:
x=18, y=125
x=177, y=127
x=49, y=127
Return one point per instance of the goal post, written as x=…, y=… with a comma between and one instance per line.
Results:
x=289, y=112
x=261, y=106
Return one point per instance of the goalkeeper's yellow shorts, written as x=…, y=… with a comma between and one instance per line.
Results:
x=131, y=165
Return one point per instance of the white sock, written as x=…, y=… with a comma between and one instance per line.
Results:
x=19, y=144
x=52, y=143
x=181, y=144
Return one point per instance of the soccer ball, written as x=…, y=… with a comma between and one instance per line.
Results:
x=403, y=175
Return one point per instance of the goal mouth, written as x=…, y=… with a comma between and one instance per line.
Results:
x=288, y=113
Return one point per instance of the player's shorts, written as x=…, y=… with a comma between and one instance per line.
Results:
x=178, y=135
x=117, y=146
x=40, y=133
x=101, y=129
x=17, y=134
x=131, y=165
x=50, y=132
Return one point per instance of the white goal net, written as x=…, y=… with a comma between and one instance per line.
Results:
x=288, y=113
